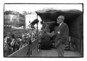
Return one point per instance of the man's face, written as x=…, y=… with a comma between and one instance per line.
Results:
x=59, y=20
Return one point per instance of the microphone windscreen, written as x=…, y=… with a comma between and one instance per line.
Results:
x=35, y=21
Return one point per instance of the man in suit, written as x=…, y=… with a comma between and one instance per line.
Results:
x=61, y=33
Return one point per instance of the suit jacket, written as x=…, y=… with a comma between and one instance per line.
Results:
x=61, y=33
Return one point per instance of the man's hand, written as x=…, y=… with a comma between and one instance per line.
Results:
x=50, y=34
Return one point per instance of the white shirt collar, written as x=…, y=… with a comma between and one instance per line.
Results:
x=60, y=23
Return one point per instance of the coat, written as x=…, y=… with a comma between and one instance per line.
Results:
x=61, y=34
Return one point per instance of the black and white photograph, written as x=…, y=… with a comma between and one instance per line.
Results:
x=43, y=30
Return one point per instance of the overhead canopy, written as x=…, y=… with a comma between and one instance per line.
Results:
x=73, y=18
x=51, y=15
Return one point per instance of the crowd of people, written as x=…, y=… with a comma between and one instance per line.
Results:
x=14, y=42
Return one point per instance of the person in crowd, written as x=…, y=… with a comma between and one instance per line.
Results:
x=61, y=33
x=7, y=46
x=14, y=43
x=19, y=41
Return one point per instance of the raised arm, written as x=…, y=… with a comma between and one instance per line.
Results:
x=51, y=34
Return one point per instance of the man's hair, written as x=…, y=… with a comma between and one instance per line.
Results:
x=62, y=17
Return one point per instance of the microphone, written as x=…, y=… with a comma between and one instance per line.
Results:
x=35, y=22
